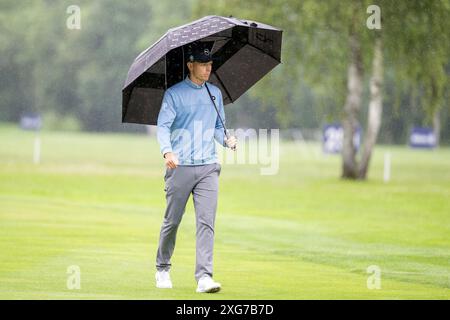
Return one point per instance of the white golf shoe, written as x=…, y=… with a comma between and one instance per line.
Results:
x=163, y=280
x=207, y=285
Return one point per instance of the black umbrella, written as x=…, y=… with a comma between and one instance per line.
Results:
x=244, y=52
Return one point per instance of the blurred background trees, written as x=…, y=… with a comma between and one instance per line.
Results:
x=74, y=77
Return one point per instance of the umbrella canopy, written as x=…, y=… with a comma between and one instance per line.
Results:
x=244, y=52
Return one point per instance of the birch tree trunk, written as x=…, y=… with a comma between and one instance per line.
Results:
x=375, y=107
x=351, y=109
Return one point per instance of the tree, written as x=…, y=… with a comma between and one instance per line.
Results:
x=330, y=45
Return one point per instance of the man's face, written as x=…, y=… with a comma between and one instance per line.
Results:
x=200, y=70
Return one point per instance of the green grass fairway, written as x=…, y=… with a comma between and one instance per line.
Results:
x=96, y=201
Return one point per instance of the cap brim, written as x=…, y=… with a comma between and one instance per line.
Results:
x=206, y=59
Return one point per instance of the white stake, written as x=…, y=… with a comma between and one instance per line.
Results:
x=37, y=150
x=387, y=167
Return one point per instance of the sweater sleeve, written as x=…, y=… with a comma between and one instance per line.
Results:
x=165, y=119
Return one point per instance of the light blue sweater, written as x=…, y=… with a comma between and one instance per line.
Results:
x=188, y=123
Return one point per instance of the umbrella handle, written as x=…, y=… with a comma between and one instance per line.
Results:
x=218, y=114
x=227, y=134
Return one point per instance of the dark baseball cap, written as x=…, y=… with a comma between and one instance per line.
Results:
x=200, y=54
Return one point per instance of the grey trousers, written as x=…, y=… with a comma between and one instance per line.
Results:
x=203, y=182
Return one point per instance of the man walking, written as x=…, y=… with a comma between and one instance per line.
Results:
x=188, y=124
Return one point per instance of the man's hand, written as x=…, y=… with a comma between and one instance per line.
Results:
x=171, y=160
x=231, y=142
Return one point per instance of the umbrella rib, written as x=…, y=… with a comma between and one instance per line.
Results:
x=165, y=72
x=182, y=49
x=223, y=86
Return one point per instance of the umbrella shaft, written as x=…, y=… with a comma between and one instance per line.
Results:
x=220, y=118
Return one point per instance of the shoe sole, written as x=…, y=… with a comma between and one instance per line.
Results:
x=213, y=290
x=210, y=290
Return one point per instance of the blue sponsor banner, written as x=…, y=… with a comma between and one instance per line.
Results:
x=422, y=138
x=30, y=121
x=333, y=137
